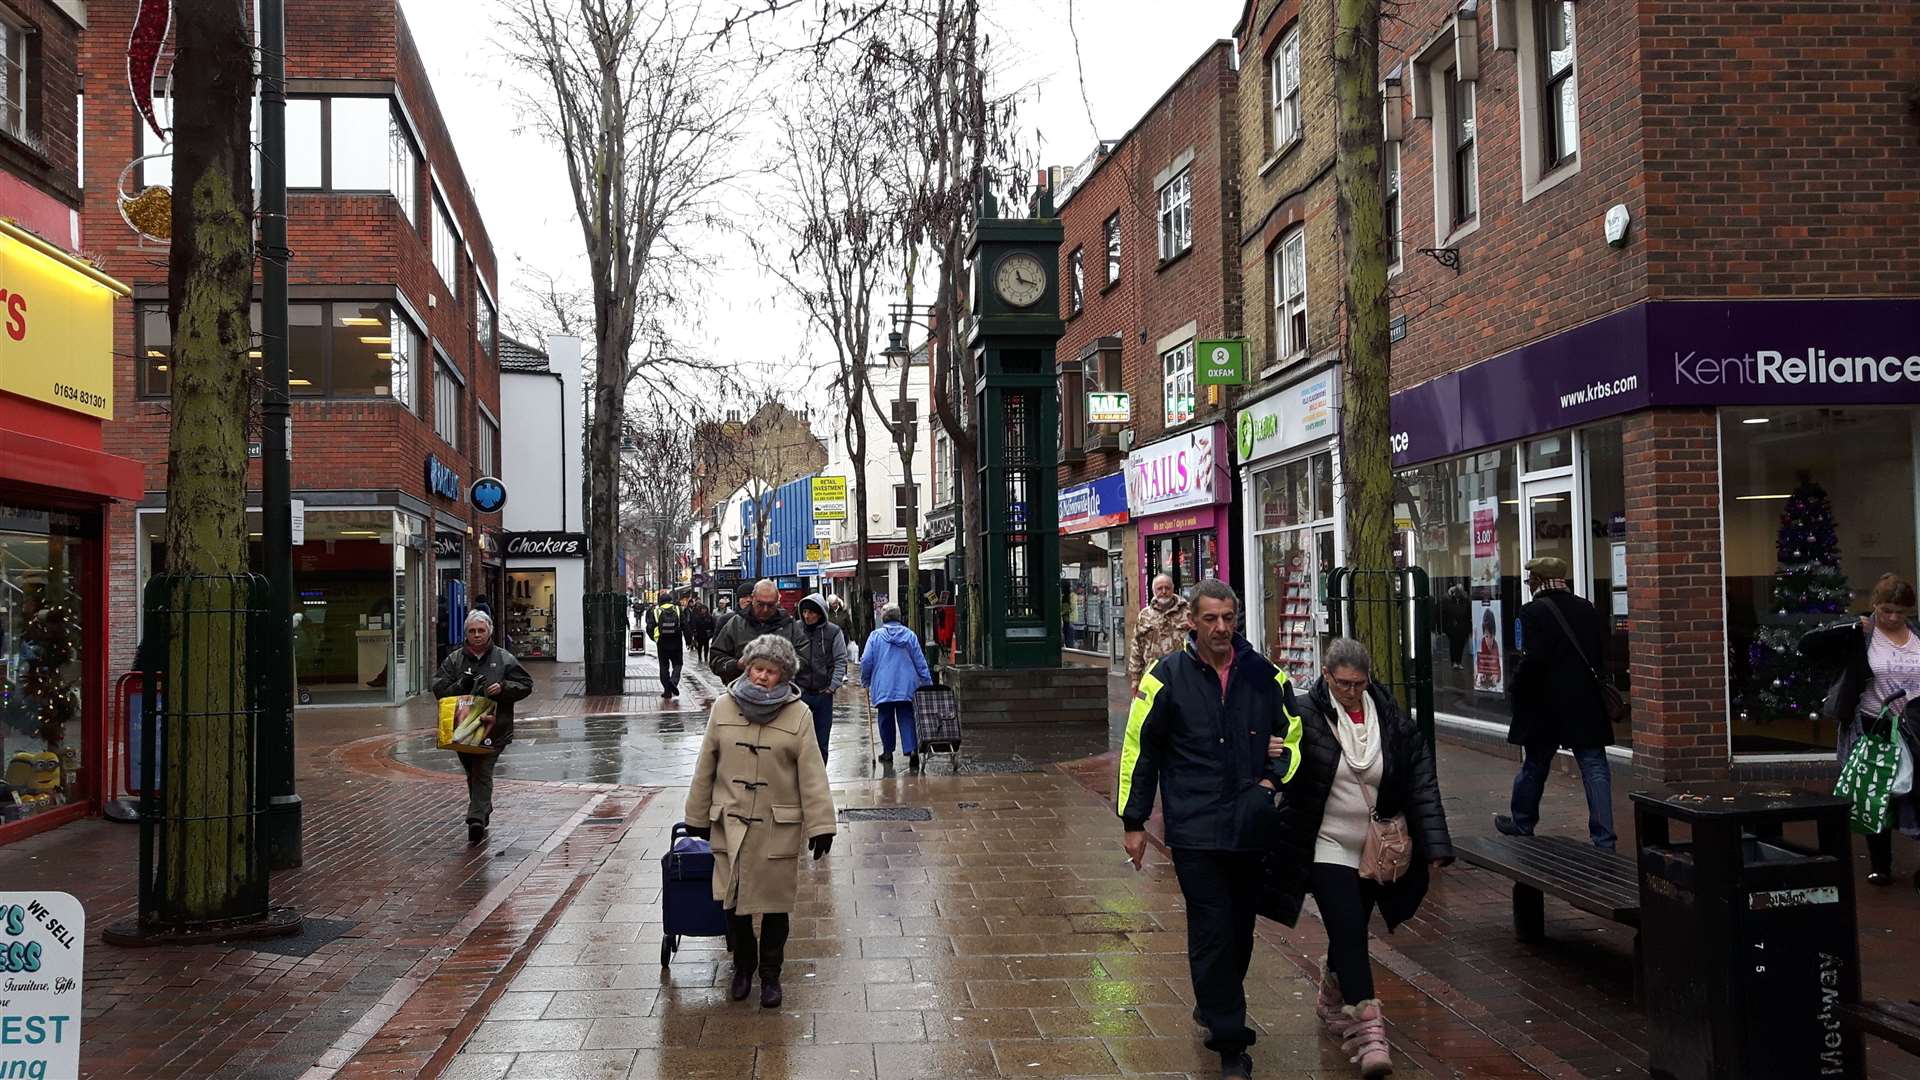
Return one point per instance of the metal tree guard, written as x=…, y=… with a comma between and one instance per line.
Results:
x=1402, y=596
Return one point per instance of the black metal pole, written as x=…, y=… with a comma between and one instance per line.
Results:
x=282, y=822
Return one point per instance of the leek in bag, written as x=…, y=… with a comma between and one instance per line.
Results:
x=466, y=724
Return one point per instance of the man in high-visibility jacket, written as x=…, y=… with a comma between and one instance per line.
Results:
x=665, y=625
x=1213, y=728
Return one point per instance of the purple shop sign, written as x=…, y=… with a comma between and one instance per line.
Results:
x=1669, y=353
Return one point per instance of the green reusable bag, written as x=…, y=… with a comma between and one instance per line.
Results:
x=1867, y=777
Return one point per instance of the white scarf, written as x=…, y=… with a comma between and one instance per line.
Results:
x=1359, y=743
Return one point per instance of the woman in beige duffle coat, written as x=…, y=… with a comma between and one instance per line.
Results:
x=760, y=794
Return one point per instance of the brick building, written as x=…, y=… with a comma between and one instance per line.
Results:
x=395, y=370
x=57, y=482
x=1286, y=450
x=1149, y=267
x=1677, y=332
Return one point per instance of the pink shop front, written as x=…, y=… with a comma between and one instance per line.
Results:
x=1178, y=492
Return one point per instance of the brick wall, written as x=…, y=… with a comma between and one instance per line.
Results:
x=1534, y=266
x=48, y=158
x=339, y=242
x=1677, y=651
x=1153, y=299
x=1783, y=150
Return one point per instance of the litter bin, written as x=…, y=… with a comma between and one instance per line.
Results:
x=1749, y=940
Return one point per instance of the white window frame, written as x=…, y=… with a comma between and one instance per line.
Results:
x=1446, y=233
x=1283, y=72
x=1289, y=295
x=485, y=454
x=1537, y=175
x=1111, y=231
x=902, y=513
x=403, y=167
x=1176, y=214
x=13, y=65
x=1179, y=384
x=1396, y=209
x=446, y=244
x=407, y=341
x=1076, y=281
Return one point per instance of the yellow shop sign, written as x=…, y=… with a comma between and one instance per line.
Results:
x=56, y=325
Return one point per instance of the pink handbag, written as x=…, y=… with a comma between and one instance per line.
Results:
x=1388, y=848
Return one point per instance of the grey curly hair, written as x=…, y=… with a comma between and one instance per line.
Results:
x=771, y=649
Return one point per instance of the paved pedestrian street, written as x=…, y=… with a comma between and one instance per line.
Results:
x=1003, y=936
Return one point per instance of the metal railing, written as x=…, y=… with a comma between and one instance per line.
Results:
x=1394, y=605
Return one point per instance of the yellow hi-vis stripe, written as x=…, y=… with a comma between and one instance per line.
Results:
x=1292, y=739
x=1130, y=748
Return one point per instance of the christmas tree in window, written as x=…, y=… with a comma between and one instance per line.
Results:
x=1809, y=589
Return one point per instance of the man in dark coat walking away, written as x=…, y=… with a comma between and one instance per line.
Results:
x=1216, y=790
x=825, y=671
x=761, y=614
x=666, y=625
x=1556, y=702
x=700, y=627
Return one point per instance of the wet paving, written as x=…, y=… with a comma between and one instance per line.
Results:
x=653, y=741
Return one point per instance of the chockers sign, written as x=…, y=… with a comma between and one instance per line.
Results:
x=56, y=325
x=42, y=937
x=552, y=545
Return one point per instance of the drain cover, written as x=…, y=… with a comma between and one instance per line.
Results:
x=887, y=813
x=603, y=821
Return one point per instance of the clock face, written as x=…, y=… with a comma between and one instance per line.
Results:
x=1020, y=279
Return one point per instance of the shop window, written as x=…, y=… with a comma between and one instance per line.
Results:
x=1294, y=535
x=1187, y=558
x=1818, y=504
x=1465, y=532
x=1603, y=467
x=1176, y=215
x=1178, y=383
x=531, y=625
x=43, y=678
x=1551, y=452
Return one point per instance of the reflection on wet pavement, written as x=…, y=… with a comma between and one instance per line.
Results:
x=644, y=745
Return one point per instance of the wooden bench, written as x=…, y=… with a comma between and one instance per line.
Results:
x=1893, y=1021
x=1597, y=882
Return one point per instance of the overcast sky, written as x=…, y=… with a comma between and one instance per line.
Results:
x=1133, y=49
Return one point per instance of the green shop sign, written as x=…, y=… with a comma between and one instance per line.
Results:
x=1221, y=363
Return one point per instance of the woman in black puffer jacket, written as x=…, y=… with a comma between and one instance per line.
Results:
x=1359, y=756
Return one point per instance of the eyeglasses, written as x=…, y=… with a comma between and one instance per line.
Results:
x=1349, y=685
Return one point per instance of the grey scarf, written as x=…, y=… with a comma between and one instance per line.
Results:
x=761, y=705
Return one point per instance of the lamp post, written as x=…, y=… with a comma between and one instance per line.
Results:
x=281, y=826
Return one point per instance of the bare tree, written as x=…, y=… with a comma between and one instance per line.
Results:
x=656, y=487
x=759, y=446
x=648, y=120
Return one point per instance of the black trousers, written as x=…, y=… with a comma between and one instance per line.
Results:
x=1880, y=851
x=774, y=927
x=669, y=665
x=1346, y=906
x=1222, y=891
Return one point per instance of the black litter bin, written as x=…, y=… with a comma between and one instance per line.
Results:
x=1750, y=941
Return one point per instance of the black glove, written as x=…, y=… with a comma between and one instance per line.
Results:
x=820, y=845
x=704, y=832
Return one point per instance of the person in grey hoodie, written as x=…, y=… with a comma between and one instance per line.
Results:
x=823, y=667
x=892, y=667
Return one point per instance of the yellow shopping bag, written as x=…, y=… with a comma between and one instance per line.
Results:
x=466, y=724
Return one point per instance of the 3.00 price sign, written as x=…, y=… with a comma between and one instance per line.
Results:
x=42, y=938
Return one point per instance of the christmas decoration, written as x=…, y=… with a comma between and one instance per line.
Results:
x=49, y=643
x=150, y=27
x=1809, y=589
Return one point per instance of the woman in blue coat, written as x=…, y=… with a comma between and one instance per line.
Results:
x=892, y=667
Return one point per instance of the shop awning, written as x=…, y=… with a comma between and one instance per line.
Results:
x=840, y=571
x=935, y=557
x=1078, y=550
x=28, y=459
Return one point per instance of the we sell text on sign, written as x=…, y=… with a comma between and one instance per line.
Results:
x=42, y=936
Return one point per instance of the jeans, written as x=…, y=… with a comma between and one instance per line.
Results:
x=1222, y=891
x=821, y=704
x=900, y=714
x=1531, y=782
x=479, y=769
x=670, y=655
x=1346, y=906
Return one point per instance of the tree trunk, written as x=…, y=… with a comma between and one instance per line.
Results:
x=1366, y=458
x=210, y=289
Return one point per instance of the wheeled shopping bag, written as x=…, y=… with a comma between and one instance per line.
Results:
x=687, y=892
x=936, y=721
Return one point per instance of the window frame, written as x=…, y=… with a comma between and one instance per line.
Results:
x=487, y=444
x=1551, y=81
x=1287, y=300
x=1463, y=154
x=1174, y=377
x=903, y=515
x=398, y=317
x=15, y=35
x=1112, y=233
x=1070, y=379
x=447, y=407
x=1287, y=122
x=486, y=332
x=1542, y=166
x=1394, y=194
x=1176, y=215
x=447, y=233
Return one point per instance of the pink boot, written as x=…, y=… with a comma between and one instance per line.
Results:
x=1327, y=1006
x=1365, y=1039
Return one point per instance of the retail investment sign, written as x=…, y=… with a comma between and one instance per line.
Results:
x=56, y=325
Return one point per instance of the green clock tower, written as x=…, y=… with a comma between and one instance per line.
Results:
x=1015, y=301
